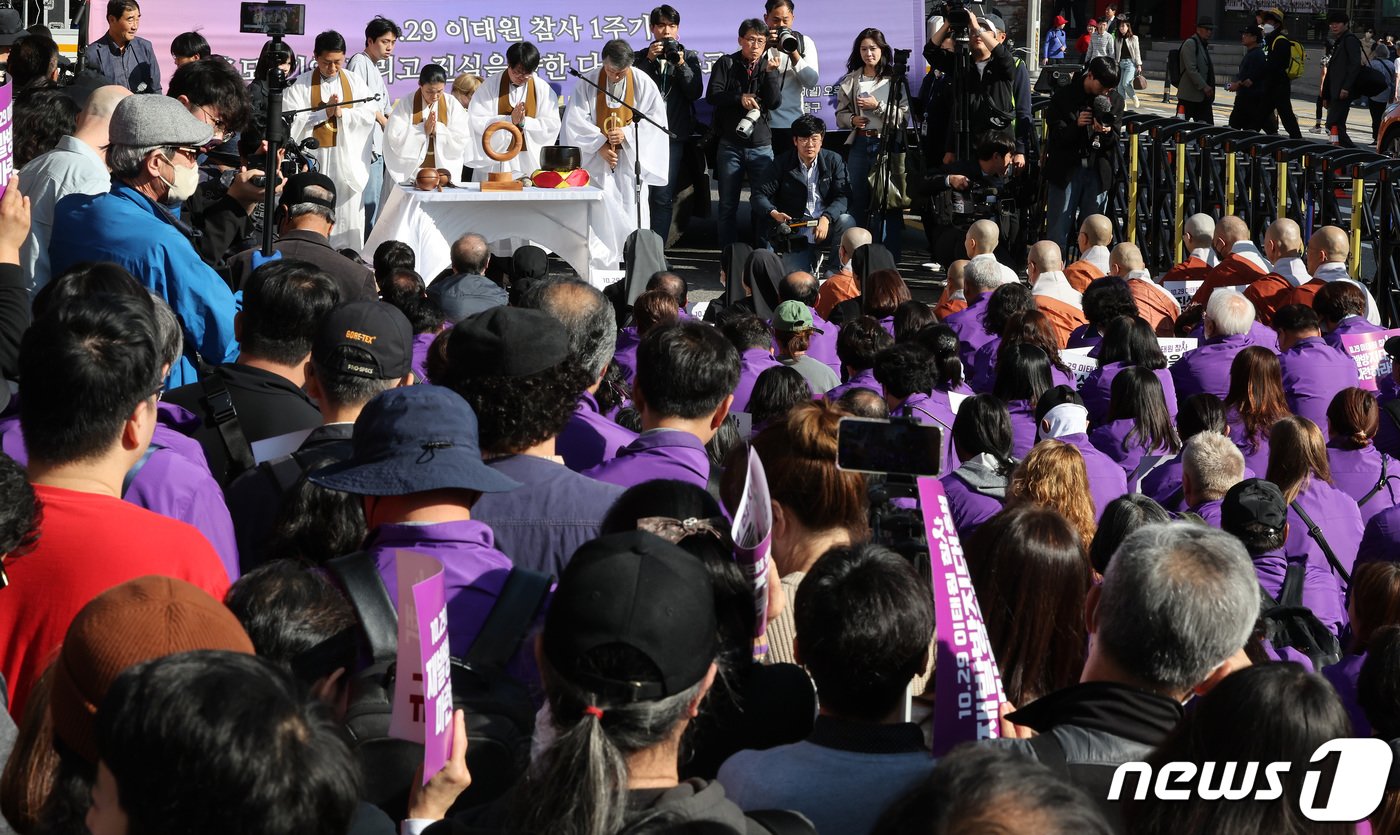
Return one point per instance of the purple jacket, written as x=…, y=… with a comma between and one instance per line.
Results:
x=1255, y=450
x=862, y=380
x=475, y=571
x=1163, y=484
x=1259, y=334
x=1349, y=325
x=657, y=454
x=625, y=354
x=1207, y=368
x=887, y=322
x=590, y=438
x=1356, y=472
x=970, y=326
x=974, y=496
x=1106, y=479
x=822, y=346
x=934, y=409
x=1109, y=439
x=982, y=375
x=1313, y=373
x=1381, y=540
x=1098, y=387
x=1023, y=427
x=1337, y=515
x=421, y=343
x=1209, y=512
x=1343, y=676
x=1084, y=336
x=174, y=481
x=752, y=363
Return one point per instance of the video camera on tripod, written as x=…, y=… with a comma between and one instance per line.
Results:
x=892, y=453
x=275, y=19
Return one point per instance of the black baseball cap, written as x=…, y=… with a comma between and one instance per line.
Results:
x=1253, y=500
x=294, y=191
x=366, y=339
x=508, y=342
x=1256, y=31
x=1392, y=346
x=636, y=590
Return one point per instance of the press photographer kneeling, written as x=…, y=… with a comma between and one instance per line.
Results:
x=966, y=192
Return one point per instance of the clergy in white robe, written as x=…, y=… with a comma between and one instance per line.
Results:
x=612, y=142
x=427, y=129
x=519, y=96
x=345, y=133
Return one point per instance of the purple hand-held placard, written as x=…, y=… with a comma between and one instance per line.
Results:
x=7, y=135
x=966, y=680
x=1367, y=350
x=431, y=599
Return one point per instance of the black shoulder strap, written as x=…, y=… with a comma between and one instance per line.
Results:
x=138, y=466
x=1144, y=467
x=359, y=576
x=1382, y=483
x=510, y=619
x=1316, y=533
x=1291, y=594
x=219, y=404
x=286, y=471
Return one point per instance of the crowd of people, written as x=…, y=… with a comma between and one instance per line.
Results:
x=216, y=465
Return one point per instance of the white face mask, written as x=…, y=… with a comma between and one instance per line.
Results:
x=183, y=188
x=1268, y=28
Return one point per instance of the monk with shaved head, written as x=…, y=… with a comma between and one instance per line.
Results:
x=1241, y=262
x=1283, y=245
x=1095, y=234
x=1156, y=306
x=1054, y=295
x=1328, y=249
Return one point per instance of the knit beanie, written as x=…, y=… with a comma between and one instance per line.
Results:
x=145, y=618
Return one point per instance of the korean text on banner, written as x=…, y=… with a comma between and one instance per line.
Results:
x=968, y=691
x=1080, y=363
x=1174, y=347
x=422, y=709
x=753, y=540
x=1367, y=350
x=7, y=134
x=1182, y=291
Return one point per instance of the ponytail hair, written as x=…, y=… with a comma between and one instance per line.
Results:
x=1353, y=417
x=942, y=342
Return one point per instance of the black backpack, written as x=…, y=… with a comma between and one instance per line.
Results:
x=500, y=711
x=1174, y=68
x=1288, y=623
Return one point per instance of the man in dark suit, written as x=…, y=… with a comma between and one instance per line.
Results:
x=1339, y=92
x=807, y=183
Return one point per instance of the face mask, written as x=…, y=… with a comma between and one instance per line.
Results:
x=1268, y=28
x=183, y=188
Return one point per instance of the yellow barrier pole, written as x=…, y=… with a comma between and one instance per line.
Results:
x=1358, y=196
x=1180, y=200
x=1229, y=182
x=1132, y=187
x=1281, y=211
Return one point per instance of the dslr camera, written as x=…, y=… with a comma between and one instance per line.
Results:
x=787, y=40
x=672, y=50
x=747, y=122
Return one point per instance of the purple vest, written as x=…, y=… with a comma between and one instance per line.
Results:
x=1084, y=336
x=822, y=346
x=1343, y=676
x=1259, y=334
x=752, y=363
x=1023, y=427
x=1356, y=472
x=864, y=379
x=1098, y=387
x=934, y=409
x=1163, y=484
x=174, y=481
x=625, y=354
x=1313, y=373
x=1349, y=325
x=421, y=343
x=1255, y=450
x=970, y=326
x=590, y=438
x=1106, y=479
x=657, y=454
x=1109, y=439
x=969, y=507
x=1207, y=368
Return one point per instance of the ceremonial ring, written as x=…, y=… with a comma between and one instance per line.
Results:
x=517, y=141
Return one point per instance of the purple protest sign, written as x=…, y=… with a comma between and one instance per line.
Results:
x=569, y=34
x=967, y=684
x=422, y=709
x=753, y=541
x=1367, y=350
x=7, y=135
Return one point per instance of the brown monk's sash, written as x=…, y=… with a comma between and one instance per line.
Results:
x=326, y=131
x=609, y=117
x=503, y=105
x=430, y=159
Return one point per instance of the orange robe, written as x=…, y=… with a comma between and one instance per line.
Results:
x=1155, y=305
x=1268, y=294
x=836, y=289
x=1080, y=273
x=1234, y=269
x=1064, y=317
x=1192, y=269
x=1304, y=293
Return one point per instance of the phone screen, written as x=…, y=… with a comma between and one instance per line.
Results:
x=904, y=447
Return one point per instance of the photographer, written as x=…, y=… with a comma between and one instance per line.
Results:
x=807, y=183
x=793, y=57
x=1082, y=149
x=743, y=91
x=989, y=78
x=965, y=192
x=676, y=71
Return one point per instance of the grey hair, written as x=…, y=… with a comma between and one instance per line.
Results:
x=1230, y=312
x=127, y=161
x=618, y=54
x=1178, y=599
x=1214, y=463
x=302, y=209
x=587, y=315
x=982, y=274
x=168, y=331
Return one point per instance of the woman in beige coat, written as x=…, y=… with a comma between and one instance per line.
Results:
x=861, y=106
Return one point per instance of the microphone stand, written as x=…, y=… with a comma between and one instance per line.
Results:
x=325, y=105
x=637, y=118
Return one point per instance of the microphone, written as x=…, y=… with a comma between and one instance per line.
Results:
x=575, y=73
x=1103, y=110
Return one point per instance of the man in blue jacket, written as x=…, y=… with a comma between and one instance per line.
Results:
x=807, y=183
x=154, y=143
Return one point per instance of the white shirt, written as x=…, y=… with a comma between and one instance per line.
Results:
x=1292, y=268
x=72, y=167
x=1207, y=255
x=1054, y=285
x=364, y=68
x=1098, y=256
x=1248, y=251
x=814, y=199
x=1337, y=271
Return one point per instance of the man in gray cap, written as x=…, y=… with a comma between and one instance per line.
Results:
x=154, y=143
x=1196, y=90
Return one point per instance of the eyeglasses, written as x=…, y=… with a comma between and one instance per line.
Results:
x=755, y=41
x=158, y=393
x=192, y=153
x=219, y=124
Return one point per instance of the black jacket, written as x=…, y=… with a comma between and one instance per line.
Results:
x=991, y=93
x=14, y=319
x=729, y=81
x=354, y=282
x=681, y=87
x=1069, y=144
x=1088, y=730
x=1280, y=53
x=786, y=187
x=1343, y=67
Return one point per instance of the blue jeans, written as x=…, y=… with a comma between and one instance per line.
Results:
x=374, y=189
x=803, y=255
x=1083, y=194
x=1126, y=70
x=663, y=197
x=864, y=151
x=732, y=162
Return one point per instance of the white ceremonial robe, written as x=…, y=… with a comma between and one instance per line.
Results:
x=618, y=184
x=347, y=163
x=405, y=144
x=540, y=130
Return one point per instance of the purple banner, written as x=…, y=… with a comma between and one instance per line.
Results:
x=7, y=135
x=1367, y=350
x=568, y=34
x=422, y=708
x=967, y=684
